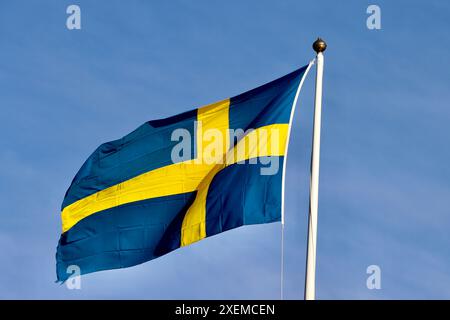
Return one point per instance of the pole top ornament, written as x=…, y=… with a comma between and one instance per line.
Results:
x=319, y=45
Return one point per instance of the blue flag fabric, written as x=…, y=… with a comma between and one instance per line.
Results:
x=175, y=181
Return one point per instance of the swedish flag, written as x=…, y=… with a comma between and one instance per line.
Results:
x=175, y=181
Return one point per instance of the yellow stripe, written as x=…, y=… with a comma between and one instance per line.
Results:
x=169, y=180
x=179, y=178
x=173, y=179
x=265, y=141
x=215, y=118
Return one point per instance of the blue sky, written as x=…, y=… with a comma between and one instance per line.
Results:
x=384, y=180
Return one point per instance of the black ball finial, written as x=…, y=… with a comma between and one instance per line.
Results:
x=319, y=45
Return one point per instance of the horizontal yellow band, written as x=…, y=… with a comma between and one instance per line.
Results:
x=174, y=179
x=165, y=181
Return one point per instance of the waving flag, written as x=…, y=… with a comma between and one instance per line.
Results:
x=175, y=181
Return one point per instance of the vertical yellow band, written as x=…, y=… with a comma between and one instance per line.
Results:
x=212, y=120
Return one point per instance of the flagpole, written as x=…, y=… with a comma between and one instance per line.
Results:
x=310, y=282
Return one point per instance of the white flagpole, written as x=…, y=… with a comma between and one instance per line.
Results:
x=310, y=282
